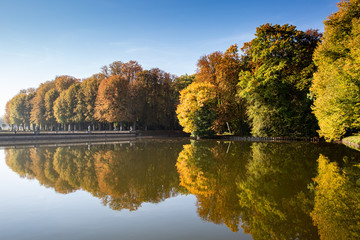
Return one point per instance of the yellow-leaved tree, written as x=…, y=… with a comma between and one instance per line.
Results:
x=336, y=84
x=196, y=111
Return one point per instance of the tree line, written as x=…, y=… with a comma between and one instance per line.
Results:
x=121, y=96
x=285, y=82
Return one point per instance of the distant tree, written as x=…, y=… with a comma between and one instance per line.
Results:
x=63, y=82
x=278, y=70
x=182, y=82
x=336, y=85
x=136, y=102
x=38, y=112
x=197, y=109
x=130, y=70
x=177, y=85
x=114, y=68
x=49, y=100
x=43, y=103
x=86, y=99
x=65, y=105
x=155, y=98
x=19, y=107
x=110, y=105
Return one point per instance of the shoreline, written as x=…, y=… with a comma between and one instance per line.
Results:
x=76, y=137
x=31, y=138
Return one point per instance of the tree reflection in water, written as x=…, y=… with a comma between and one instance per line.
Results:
x=210, y=171
x=265, y=187
x=122, y=176
x=337, y=199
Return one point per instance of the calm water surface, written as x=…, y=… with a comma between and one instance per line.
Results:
x=180, y=189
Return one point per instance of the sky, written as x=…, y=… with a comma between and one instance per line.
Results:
x=42, y=39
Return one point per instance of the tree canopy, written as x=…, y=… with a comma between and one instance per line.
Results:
x=197, y=109
x=275, y=83
x=336, y=84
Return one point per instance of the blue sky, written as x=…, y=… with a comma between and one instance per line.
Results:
x=42, y=39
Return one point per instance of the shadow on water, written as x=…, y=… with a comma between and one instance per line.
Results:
x=295, y=190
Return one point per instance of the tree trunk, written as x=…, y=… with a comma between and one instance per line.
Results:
x=228, y=126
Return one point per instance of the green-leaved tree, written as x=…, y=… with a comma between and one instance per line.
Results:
x=275, y=83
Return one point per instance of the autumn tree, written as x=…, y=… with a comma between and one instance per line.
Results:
x=64, y=82
x=43, y=103
x=222, y=70
x=86, y=99
x=65, y=105
x=18, y=108
x=113, y=69
x=155, y=98
x=110, y=105
x=38, y=112
x=336, y=83
x=278, y=70
x=197, y=109
x=49, y=100
x=130, y=70
x=182, y=82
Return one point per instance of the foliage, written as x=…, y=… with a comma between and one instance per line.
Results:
x=183, y=81
x=65, y=105
x=49, y=100
x=38, y=112
x=110, y=104
x=275, y=83
x=197, y=109
x=121, y=93
x=86, y=99
x=336, y=84
x=19, y=108
x=222, y=70
x=155, y=98
x=64, y=82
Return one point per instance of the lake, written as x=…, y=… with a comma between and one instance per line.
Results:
x=180, y=189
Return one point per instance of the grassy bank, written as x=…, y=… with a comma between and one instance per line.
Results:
x=352, y=141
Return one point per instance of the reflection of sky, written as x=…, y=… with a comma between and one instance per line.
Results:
x=31, y=211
